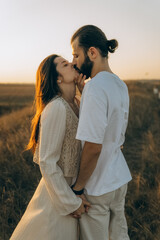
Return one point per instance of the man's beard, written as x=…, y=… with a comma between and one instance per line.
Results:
x=86, y=67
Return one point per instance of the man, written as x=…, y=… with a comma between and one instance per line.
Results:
x=104, y=109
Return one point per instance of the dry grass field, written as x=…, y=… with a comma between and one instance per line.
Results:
x=142, y=151
x=15, y=96
x=19, y=176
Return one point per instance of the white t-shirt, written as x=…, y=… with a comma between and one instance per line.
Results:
x=103, y=120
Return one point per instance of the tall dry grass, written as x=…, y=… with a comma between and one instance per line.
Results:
x=142, y=151
x=19, y=176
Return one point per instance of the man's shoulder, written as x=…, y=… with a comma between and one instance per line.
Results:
x=102, y=81
x=108, y=80
x=103, y=78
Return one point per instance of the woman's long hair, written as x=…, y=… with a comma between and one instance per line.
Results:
x=46, y=89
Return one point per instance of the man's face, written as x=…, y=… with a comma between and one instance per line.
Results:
x=80, y=60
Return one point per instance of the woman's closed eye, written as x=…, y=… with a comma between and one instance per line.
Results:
x=66, y=64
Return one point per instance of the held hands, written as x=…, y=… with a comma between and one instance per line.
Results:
x=84, y=207
x=79, y=81
x=85, y=202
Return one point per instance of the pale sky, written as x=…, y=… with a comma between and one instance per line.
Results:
x=30, y=30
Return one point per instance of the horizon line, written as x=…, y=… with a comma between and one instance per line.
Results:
x=154, y=79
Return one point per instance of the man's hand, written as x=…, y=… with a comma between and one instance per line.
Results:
x=87, y=205
x=79, y=81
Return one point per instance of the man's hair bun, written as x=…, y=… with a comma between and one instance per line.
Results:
x=112, y=45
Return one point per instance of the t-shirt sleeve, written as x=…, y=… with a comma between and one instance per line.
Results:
x=93, y=118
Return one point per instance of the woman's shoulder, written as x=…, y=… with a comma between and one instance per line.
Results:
x=55, y=106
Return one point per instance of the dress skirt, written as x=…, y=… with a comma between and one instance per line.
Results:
x=41, y=221
x=57, y=154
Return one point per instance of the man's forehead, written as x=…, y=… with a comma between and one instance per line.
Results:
x=75, y=45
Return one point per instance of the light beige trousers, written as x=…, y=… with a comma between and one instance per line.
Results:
x=105, y=219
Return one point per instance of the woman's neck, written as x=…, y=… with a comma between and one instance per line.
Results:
x=69, y=92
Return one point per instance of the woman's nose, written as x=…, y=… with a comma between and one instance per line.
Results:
x=72, y=65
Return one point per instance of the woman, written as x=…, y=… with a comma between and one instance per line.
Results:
x=48, y=215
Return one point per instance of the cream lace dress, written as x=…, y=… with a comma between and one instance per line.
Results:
x=58, y=154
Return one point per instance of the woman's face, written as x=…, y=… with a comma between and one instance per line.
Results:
x=67, y=73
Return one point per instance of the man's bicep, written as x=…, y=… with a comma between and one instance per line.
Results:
x=93, y=147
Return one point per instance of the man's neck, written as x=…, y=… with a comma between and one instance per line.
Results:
x=100, y=66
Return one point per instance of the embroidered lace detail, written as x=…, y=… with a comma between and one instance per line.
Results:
x=71, y=148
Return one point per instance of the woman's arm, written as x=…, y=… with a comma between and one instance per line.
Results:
x=52, y=131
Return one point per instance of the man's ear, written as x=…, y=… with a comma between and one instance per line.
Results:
x=92, y=53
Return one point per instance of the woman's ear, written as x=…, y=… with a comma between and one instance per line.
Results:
x=92, y=53
x=59, y=81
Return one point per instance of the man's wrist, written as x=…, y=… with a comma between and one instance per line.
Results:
x=77, y=192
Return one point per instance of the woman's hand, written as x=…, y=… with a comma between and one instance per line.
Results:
x=79, y=211
x=83, y=207
x=79, y=81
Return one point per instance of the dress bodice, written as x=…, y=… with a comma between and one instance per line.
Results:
x=71, y=147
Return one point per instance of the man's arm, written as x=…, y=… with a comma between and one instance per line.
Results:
x=90, y=155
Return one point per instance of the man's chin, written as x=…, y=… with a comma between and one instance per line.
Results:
x=87, y=75
x=86, y=72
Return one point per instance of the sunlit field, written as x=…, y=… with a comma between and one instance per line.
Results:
x=15, y=96
x=19, y=176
